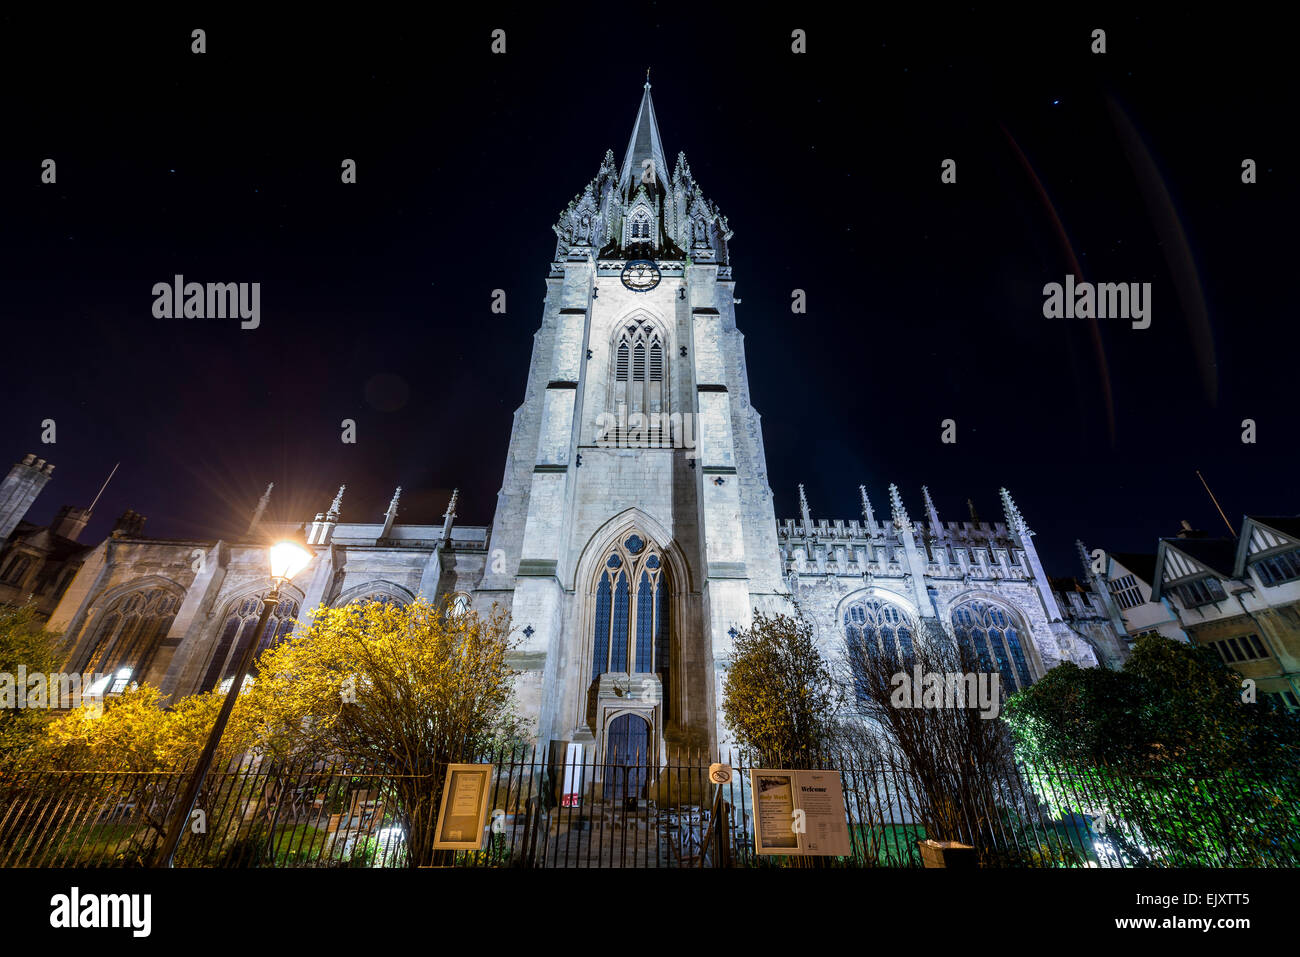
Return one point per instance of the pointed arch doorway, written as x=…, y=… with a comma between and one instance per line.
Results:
x=627, y=757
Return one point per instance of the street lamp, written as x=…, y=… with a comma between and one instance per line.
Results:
x=287, y=559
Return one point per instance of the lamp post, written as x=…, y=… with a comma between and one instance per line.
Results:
x=287, y=559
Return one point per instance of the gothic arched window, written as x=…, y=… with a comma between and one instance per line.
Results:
x=631, y=622
x=237, y=631
x=128, y=635
x=876, y=629
x=884, y=624
x=640, y=226
x=990, y=635
x=638, y=399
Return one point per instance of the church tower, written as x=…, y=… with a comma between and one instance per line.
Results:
x=634, y=530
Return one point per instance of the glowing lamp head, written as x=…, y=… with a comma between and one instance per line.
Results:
x=287, y=560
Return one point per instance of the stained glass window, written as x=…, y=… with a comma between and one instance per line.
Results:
x=992, y=633
x=876, y=627
x=237, y=632
x=631, y=627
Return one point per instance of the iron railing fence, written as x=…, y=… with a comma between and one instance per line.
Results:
x=551, y=813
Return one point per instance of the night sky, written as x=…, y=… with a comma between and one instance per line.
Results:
x=924, y=299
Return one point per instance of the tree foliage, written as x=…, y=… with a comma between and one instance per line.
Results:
x=1173, y=705
x=25, y=642
x=397, y=690
x=1167, y=755
x=779, y=697
x=403, y=688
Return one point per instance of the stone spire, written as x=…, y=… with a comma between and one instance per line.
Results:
x=1083, y=557
x=1015, y=521
x=260, y=510
x=449, y=515
x=322, y=530
x=872, y=528
x=901, y=522
x=936, y=527
x=391, y=515
x=644, y=144
x=806, y=512
x=974, y=515
x=1020, y=532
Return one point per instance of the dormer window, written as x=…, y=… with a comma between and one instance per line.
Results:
x=1279, y=568
x=1201, y=591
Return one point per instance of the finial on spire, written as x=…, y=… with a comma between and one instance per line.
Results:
x=647, y=78
x=803, y=505
x=902, y=523
x=261, y=508
x=867, y=513
x=392, y=506
x=449, y=515
x=936, y=527
x=974, y=515
x=336, y=505
x=1084, y=557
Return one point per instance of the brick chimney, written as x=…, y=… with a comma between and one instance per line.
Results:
x=130, y=525
x=70, y=522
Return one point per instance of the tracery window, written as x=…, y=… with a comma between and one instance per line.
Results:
x=639, y=397
x=990, y=635
x=237, y=631
x=880, y=622
x=129, y=633
x=877, y=627
x=631, y=621
x=639, y=226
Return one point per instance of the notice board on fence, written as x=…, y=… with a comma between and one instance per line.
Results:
x=799, y=813
x=462, y=818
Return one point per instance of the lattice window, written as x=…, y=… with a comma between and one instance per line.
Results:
x=1126, y=591
x=1276, y=569
x=1201, y=591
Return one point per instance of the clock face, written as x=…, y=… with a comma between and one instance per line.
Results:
x=641, y=275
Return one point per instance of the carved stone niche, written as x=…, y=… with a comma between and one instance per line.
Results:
x=618, y=693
